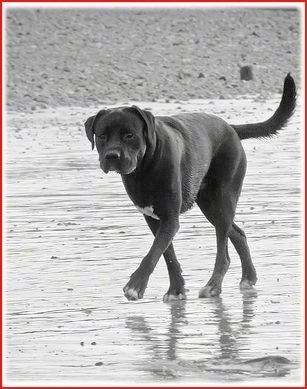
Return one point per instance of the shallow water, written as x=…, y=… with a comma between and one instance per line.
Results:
x=73, y=238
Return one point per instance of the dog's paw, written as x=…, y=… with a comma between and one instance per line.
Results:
x=172, y=295
x=132, y=294
x=210, y=291
x=135, y=288
x=247, y=284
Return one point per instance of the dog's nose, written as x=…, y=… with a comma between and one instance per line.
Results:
x=112, y=155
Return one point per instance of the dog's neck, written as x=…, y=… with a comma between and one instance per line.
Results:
x=147, y=162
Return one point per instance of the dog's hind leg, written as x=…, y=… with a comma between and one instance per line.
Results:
x=213, y=209
x=176, y=290
x=238, y=239
x=217, y=199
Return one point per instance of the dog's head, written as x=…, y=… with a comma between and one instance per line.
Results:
x=122, y=137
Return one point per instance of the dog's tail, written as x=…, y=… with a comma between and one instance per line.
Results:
x=276, y=122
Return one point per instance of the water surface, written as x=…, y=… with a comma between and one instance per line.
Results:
x=73, y=238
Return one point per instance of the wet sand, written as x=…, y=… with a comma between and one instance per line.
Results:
x=73, y=238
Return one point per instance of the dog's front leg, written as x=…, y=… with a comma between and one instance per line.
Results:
x=137, y=284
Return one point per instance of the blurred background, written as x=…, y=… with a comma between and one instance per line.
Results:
x=84, y=56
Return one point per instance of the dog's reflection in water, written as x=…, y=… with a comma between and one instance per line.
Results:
x=162, y=344
x=165, y=348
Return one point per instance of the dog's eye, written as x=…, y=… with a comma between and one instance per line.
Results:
x=128, y=136
x=102, y=137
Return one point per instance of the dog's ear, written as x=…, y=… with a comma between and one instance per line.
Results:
x=149, y=120
x=89, y=129
x=89, y=126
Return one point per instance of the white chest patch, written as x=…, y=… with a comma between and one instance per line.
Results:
x=148, y=211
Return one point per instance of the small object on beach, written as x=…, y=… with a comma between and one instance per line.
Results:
x=246, y=73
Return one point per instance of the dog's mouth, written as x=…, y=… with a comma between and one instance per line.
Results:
x=111, y=168
x=107, y=167
x=117, y=167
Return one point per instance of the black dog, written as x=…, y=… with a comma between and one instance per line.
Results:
x=167, y=164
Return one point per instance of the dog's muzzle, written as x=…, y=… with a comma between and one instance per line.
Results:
x=115, y=161
x=110, y=161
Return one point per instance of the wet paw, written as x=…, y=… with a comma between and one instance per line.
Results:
x=247, y=284
x=209, y=291
x=132, y=294
x=135, y=288
x=173, y=295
